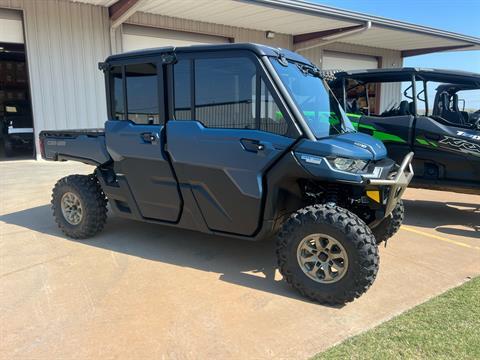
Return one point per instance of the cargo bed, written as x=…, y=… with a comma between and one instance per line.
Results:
x=84, y=145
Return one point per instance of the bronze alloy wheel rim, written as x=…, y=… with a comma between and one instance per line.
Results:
x=71, y=208
x=322, y=258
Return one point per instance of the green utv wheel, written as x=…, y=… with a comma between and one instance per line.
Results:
x=390, y=225
x=328, y=254
x=79, y=206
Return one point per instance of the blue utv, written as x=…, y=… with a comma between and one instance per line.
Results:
x=238, y=140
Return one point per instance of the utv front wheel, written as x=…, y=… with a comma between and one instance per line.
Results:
x=79, y=206
x=390, y=225
x=328, y=254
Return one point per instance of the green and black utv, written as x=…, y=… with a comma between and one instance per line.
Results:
x=437, y=116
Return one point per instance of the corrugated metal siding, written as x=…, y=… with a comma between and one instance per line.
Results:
x=315, y=55
x=64, y=42
x=390, y=58
x=238, y=34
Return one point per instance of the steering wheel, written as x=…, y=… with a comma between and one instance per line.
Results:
x=475, y=119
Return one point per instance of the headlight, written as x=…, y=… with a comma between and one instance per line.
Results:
x=350, y=165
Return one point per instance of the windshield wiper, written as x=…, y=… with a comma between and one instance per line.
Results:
x=310, y=70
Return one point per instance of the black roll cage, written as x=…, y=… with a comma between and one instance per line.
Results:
x=413, y=75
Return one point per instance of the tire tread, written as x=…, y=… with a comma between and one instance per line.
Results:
x=93, y=200
x=356, y=231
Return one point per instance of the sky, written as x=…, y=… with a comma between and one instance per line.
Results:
x=460, y=16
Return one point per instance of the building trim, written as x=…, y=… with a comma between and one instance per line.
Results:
x=415, y=52
x=324, y=34
x=356, y=17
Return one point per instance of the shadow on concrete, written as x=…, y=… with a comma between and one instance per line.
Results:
x=442, y=216
x=230, y=258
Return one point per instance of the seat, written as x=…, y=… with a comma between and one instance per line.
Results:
x=455, y=108
x=403, y=108
x=440, y=106
x=411, y=108
x=455, y=117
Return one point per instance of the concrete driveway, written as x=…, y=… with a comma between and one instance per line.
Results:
x=141, y=291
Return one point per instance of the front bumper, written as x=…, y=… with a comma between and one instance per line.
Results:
x=396, y=185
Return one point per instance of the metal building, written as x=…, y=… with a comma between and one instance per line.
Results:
x=62, y=41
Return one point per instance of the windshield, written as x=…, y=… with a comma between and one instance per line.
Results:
x=314, y=99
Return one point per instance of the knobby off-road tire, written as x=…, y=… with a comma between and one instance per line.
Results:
x=342, y=227
x=390, y=225
x=79, y=192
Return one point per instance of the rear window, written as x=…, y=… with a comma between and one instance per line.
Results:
x=142, y=93
x=134, y=93
x=116, y=86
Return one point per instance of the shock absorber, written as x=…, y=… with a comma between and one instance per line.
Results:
x=331, y=196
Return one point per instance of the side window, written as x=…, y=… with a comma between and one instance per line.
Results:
x=182, y=90
x=142, y=93
x=224, y=93
x=271, y=117
x=116, y=84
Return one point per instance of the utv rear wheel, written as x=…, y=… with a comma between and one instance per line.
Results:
x=79, y=206
x=328, y=254
x=390, y=225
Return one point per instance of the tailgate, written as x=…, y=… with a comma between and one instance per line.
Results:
x=87, y=146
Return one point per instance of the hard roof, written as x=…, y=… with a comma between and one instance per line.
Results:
x=298, y=18
x=405, y=74
x=452, y=88
x=260, y=50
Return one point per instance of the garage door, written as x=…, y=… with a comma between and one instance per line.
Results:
x=11, y=29
x=141, y=37
x=342, y=61
x=15, y=107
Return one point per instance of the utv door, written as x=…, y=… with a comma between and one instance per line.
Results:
x=395, y=132
x=135, y=139
x=446, y=152
x=228, y=129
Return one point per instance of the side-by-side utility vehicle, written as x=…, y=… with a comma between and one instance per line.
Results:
x=438, y=119
x=238, y=140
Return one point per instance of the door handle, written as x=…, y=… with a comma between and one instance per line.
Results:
x=252, y=145
x=149, y=137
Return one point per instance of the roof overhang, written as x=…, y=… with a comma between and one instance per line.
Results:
x=310, y=24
